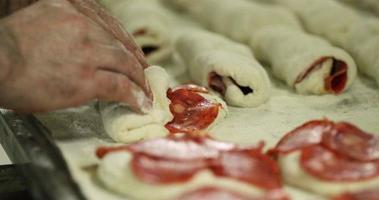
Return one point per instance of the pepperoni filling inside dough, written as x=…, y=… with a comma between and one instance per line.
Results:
x=364, y=195
x=175, y=160
x=216, y=83
x=333, y=151
x=192, y=112
x=336, y=81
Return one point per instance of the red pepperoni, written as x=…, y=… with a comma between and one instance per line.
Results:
x=306, y=135
x=171, y=160
x=363, y=195
x=333, y=151
x=250, y=166
x=327, y=165
x=192, y=112
x=352, y=142
x=164, y=171
x=216, y=83
x=335, y=82
x=102, y=151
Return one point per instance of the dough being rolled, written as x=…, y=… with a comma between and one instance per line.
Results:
x=363, y=44
x=149, y=23
x=236, y=19
x=307, y=63
x=124, y=125
x=225, y=66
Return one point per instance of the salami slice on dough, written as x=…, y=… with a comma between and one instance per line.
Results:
x=173, y=167
x=329, y=158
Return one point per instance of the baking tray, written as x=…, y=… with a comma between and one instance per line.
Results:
x=31, y=148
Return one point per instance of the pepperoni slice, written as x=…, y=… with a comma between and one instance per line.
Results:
x=171, y=160
x=363, y=195
x=306, y=135
x=249, y=166
x=102, y=151
x=352, y=142
x=327, y=165
x=192, y=112
x=215, y=194
x=337, y=79
x=163, y=171
x=216, y=83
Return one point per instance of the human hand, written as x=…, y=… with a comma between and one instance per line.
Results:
x=61, y=57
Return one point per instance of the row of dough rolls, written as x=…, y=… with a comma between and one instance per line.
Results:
x=343, y=26
x=150, y=24
x=306, y=63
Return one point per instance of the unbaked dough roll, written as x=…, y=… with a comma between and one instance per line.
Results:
x=148, y=22
x=326, y=18
x=226, y=67
x=236, y=19
x=363, y=44
x=307, y=63
x=124, y=125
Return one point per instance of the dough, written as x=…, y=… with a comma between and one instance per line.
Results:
x=296, y=176
x=124, y=125
x=236, y=19
x=344, y=27
x=363, y=44
x=292, y=52
x=206, y=53
x=327, y=18
x=366, y=5
x=149, y=22
x=115, y=173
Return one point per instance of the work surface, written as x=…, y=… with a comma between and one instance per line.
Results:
x=78, y=132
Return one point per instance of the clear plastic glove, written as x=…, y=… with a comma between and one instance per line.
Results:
x=57, y=54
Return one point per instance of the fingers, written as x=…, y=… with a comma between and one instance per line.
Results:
x=110, y=86
x=99, y=15
x=117, y=59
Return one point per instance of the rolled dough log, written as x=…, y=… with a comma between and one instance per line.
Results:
x=224, y=66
